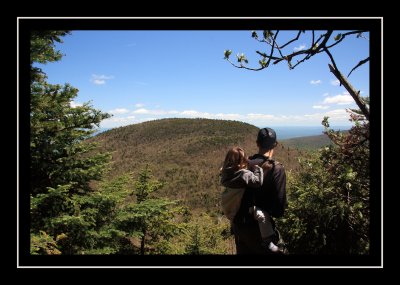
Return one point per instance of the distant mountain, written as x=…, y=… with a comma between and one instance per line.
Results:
x=184, y=153
x=289, y=132
x=100, y=130
x=308, y=142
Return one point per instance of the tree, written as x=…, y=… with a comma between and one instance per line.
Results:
x=321, y=43
x=329, y=197
x=61, y=164
x=194, y=247
x=207, y=235
x=150, y=219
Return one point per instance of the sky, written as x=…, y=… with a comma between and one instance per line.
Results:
x=144, y=75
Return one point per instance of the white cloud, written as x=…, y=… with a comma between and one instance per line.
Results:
x=74, y=104
x=100, y=79
x=195, y=114
x=299, y=48
x=338, y=116
x=338, y=99
x=144, y=111
x=335, y=116
x=117, y=122
x=335, y=82
x=314, y=82
x=223, y=116
x=325, y=94
x=139, y=105
x=141, y=111
x=119, y=111
x=320, y=107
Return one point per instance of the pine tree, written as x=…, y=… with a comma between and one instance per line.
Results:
x=62, y=162
x=151, y=219
x=194, y=247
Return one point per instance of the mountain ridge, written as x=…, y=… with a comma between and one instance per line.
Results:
x=185, y=154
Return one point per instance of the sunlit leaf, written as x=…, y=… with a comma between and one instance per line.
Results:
x=227, y=53
x=337, y=37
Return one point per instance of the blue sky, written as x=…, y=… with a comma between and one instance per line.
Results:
x=145, y=75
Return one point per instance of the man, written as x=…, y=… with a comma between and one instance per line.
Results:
x=270, y=197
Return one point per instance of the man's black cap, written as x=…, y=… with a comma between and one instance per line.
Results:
x=266, y=138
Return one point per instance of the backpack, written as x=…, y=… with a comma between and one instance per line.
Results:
x=248, y=198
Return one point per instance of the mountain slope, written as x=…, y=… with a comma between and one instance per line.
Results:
x=184, y=153
x=308, y=142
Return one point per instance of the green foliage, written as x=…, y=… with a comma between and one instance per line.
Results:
x=263, y=62
x=242, y=58
x=144, y=187
x=207, y=235
x=58, y=153
x=329, y=197
x=204, y=234
x=85, y=221
x=61, y=167
x=307, y=143
x=195, y=247
x=150, y=219
x=42, y=47
x=337, y=37
x=43, y=244
x=267, y=35
x=227, y=53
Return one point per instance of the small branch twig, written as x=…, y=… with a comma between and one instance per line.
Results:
x=359, y=64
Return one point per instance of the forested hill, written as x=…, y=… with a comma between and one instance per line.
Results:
x=184, y=153
x=308, y=142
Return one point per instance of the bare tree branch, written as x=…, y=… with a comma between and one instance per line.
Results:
x=272, y=49
x=312, y=41
x=332, y=60
x=245, y=67
x=318, y=45
x=267, y=56
x=353, y=93
x=289, y=42
x=359, y=64
x=344, y=35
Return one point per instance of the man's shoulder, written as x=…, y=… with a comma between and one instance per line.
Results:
x=278, y=167
x=257, y=156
